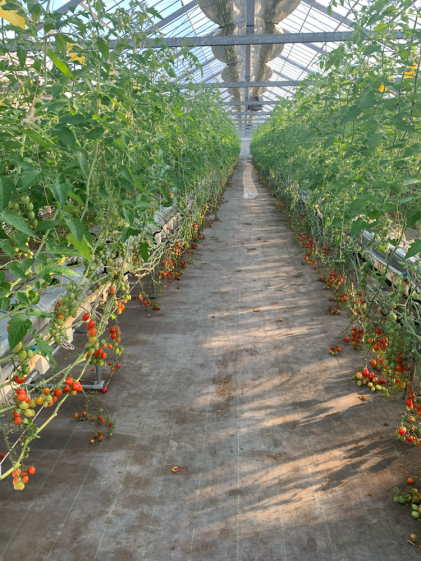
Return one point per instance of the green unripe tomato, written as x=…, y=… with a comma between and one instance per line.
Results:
x=29, y=413
x=31, y=215
x=22, y=355
x=18, y=347
x=29, y=353
x=48, y=398
x=30, y=206
x=15, y=206
x=27, y=369
x=25, y=199
x=24, y=405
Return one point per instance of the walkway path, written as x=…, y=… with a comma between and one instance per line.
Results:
x=280, y=460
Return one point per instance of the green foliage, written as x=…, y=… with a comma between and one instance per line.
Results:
x=95, y=139
x=352, y=138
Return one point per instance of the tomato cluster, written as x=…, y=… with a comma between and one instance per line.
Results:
x=21, y=477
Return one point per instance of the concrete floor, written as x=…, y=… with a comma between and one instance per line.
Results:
x=280, y=460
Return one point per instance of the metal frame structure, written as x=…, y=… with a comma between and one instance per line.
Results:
x=310, y=30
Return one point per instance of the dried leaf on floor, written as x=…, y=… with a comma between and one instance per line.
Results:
x=257, y=309
x=363, y=398
x=175, y=469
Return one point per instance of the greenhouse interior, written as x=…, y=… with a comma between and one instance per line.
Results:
x=210, y=281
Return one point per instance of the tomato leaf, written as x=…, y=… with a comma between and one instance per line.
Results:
x=7, y=187
x=16, y=270
x=4, y=304
x=81, y=246
x=66, y=137
x=413, y=215
x=53, y=56
x=76, y=228
x=128, y=233
x=414, y=249
x=17, y=222
x=18, y=328
x=83, y=161
x=46, y=225
x=103, y=47
x=56, y=269
x=61, y=192
x=144, y=250
x=45, y=350
x=29, y=179
x=36, y=137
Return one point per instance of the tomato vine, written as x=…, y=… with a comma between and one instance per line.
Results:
x=342, y=158
x=97, y=141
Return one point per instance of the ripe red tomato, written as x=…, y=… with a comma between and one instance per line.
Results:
x=118, y=366
x=100, y=439
x=25, y=479
x=3, y=455
x=46, y=391
x=104, y=389
x=66, y=388
x=69, y=381
x=58, y=392
x=346, y=339
x=410, y=481
x=31, y=470
x=77, y=387
x=85, y=316
x=402, y=431
x=17, y=421
x=76, y=415
x=114, y=336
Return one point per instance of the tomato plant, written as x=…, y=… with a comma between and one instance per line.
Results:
x=97, y=138
x=342, y=159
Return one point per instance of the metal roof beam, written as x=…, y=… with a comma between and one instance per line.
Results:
x=250, y=102
x=250, y=113
x=269, y=39
x=173, y=16
x=266, y=84
x=334, y=15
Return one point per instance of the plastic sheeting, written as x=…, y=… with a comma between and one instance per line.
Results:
x=250, y=191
